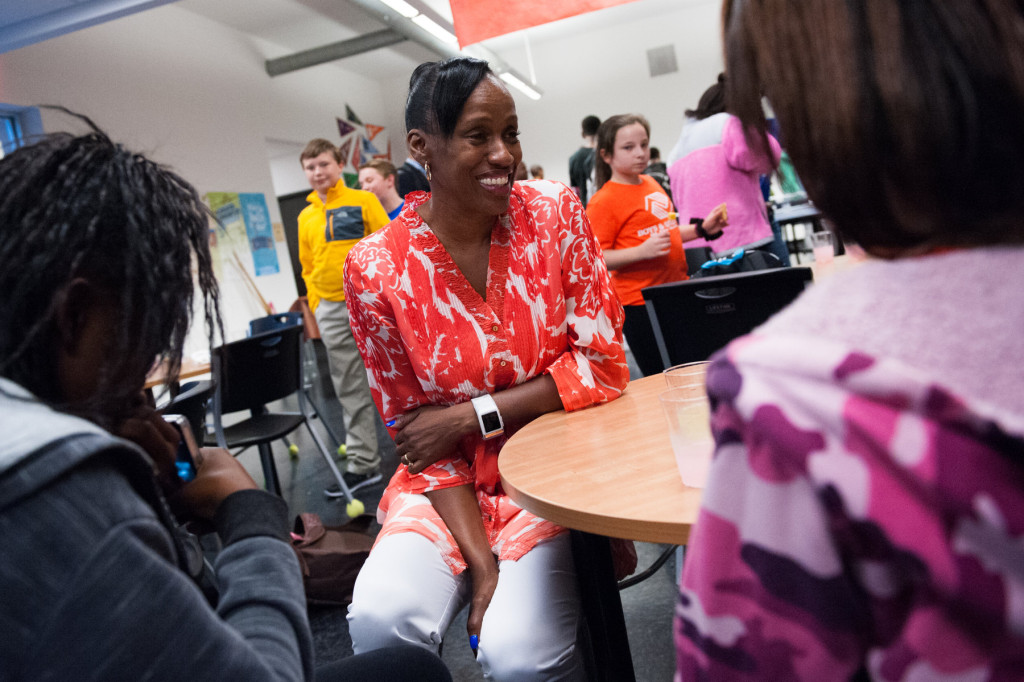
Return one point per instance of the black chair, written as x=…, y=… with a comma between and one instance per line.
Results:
x=191, y=403
x=251, y=373
x=310, y=371
x=695, y=318
x=275, y=321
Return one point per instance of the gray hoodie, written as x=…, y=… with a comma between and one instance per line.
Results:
x=90, y=587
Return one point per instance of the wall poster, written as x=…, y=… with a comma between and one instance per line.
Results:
x=246, y=220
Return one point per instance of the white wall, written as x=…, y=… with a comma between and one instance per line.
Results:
x=194, y=95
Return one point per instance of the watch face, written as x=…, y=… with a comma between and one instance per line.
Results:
x=491, y=422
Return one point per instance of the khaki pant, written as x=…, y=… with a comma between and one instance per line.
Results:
x=348, y=374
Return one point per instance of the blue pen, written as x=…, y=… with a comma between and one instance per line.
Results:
x=474, y=642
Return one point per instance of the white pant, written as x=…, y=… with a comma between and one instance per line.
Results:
x=348, y=373
x=405, y=593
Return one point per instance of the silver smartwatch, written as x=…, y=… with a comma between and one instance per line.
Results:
x=487, y=415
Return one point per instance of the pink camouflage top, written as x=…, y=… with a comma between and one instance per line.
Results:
x=428, y=338
x=860, y=517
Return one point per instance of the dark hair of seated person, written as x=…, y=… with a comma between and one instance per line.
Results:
x=438, y=92
x=904, y=118
x=79, y=208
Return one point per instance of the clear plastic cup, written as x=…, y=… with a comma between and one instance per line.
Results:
x=689, y=429
x=689, y=377
x=823, y=246
x=686, y=374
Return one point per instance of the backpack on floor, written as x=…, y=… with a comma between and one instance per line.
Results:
x=330, y=557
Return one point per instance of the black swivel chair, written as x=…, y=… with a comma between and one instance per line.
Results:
x=249, y=374
x=695, y=318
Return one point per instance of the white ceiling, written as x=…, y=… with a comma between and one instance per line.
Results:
x=281, y=27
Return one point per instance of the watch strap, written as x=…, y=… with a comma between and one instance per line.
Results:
x=488, y=417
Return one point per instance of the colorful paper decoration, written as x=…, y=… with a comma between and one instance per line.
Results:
x=344, y=148
x=368, y=148
x=345, y=128
x=357, y=144
x=351, y=116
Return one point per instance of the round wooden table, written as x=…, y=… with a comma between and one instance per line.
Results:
x=606, y=469
x=189, y=368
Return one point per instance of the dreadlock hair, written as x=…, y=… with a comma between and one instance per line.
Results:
x=84, y=207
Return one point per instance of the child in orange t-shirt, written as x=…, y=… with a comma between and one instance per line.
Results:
x=635, y=223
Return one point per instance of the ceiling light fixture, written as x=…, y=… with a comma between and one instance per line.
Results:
x=520, y=85
x=435, y=29
x=406, y=20
x=402, y=7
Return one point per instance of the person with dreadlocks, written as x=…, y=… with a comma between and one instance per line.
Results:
x=97, y=246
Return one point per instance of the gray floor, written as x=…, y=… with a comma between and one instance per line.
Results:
x=648, y=606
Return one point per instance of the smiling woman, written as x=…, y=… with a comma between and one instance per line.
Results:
x=472, y=165
x=482, y=306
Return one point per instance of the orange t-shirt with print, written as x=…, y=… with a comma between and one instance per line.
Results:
x=623, y=216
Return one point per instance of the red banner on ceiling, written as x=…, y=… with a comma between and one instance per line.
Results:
x=477, y=20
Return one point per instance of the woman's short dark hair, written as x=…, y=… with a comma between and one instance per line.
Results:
x=903, y=118
x=711, y=102
x=438, y=92
x=85, y=207
x=606, y=143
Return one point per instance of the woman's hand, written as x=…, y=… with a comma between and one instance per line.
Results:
x=218, y=475
x=485, y=579
x=716, y=220
x=431, y=433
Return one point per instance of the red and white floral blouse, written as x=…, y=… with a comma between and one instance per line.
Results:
x=428, y=338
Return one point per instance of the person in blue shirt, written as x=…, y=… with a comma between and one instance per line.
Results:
x=379, y=176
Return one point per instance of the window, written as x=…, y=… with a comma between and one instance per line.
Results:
x=18, y=124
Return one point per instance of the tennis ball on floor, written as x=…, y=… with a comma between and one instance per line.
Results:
x=342, y=449
x=355, y=508
x=293, y=450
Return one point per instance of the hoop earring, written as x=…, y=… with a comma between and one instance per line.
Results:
x=426, y=167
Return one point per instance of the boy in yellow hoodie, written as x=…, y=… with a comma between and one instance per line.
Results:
x=335, y=219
